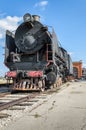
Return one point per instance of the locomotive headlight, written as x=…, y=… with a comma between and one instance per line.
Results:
x=27, y=17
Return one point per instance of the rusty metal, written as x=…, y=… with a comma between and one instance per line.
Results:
x=4, y=94
x=17, y=101
x=28, y=97
x=29, y=85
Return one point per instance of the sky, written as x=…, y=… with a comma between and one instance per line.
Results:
x=67, y=17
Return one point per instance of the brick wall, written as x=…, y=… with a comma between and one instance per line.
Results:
x=78, y=67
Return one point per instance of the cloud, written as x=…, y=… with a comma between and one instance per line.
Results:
x=84, y=64
x=3, y=71
x=1, y=36
x=8, y=23
x=2, y=43
x=41, y=4
x=70, y=53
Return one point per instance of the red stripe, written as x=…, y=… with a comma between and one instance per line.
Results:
x=11, y=74
x=35, y=73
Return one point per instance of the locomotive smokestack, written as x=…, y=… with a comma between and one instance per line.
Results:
x=27, y=17
x=36, y=18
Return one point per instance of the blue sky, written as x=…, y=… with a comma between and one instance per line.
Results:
x=68, y=17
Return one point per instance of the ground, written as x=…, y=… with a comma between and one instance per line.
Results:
x=64, y=110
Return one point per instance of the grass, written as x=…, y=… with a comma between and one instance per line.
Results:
x=50, y=108
x=37, y=115
x=76, y=92
x=68, y=84
x=53, y=103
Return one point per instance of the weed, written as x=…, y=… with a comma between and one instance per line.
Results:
x=50, y=108
x=37, y=115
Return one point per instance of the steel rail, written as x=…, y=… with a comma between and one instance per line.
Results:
x=2, y=94
x=17, y=101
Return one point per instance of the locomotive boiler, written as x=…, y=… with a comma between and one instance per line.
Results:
x=34, y=57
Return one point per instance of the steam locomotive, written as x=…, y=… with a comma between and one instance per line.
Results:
x=34, y=57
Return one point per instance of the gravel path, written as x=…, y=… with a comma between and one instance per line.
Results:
x=64, y=110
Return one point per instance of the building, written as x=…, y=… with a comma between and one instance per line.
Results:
x=84, y=73
x=77, y=69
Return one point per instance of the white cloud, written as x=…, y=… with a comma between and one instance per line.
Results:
x=84, y=64
x=70, y=53
x=41, y=4
x=8, y=23
x=2, y=43
x=3, y=70
x=1, y=36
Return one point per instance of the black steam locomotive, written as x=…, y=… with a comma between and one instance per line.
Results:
x=34, y=57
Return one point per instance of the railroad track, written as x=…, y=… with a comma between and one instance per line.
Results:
x=18, y=100
x=4, y=94
x=8, y=100
x=14, y=106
